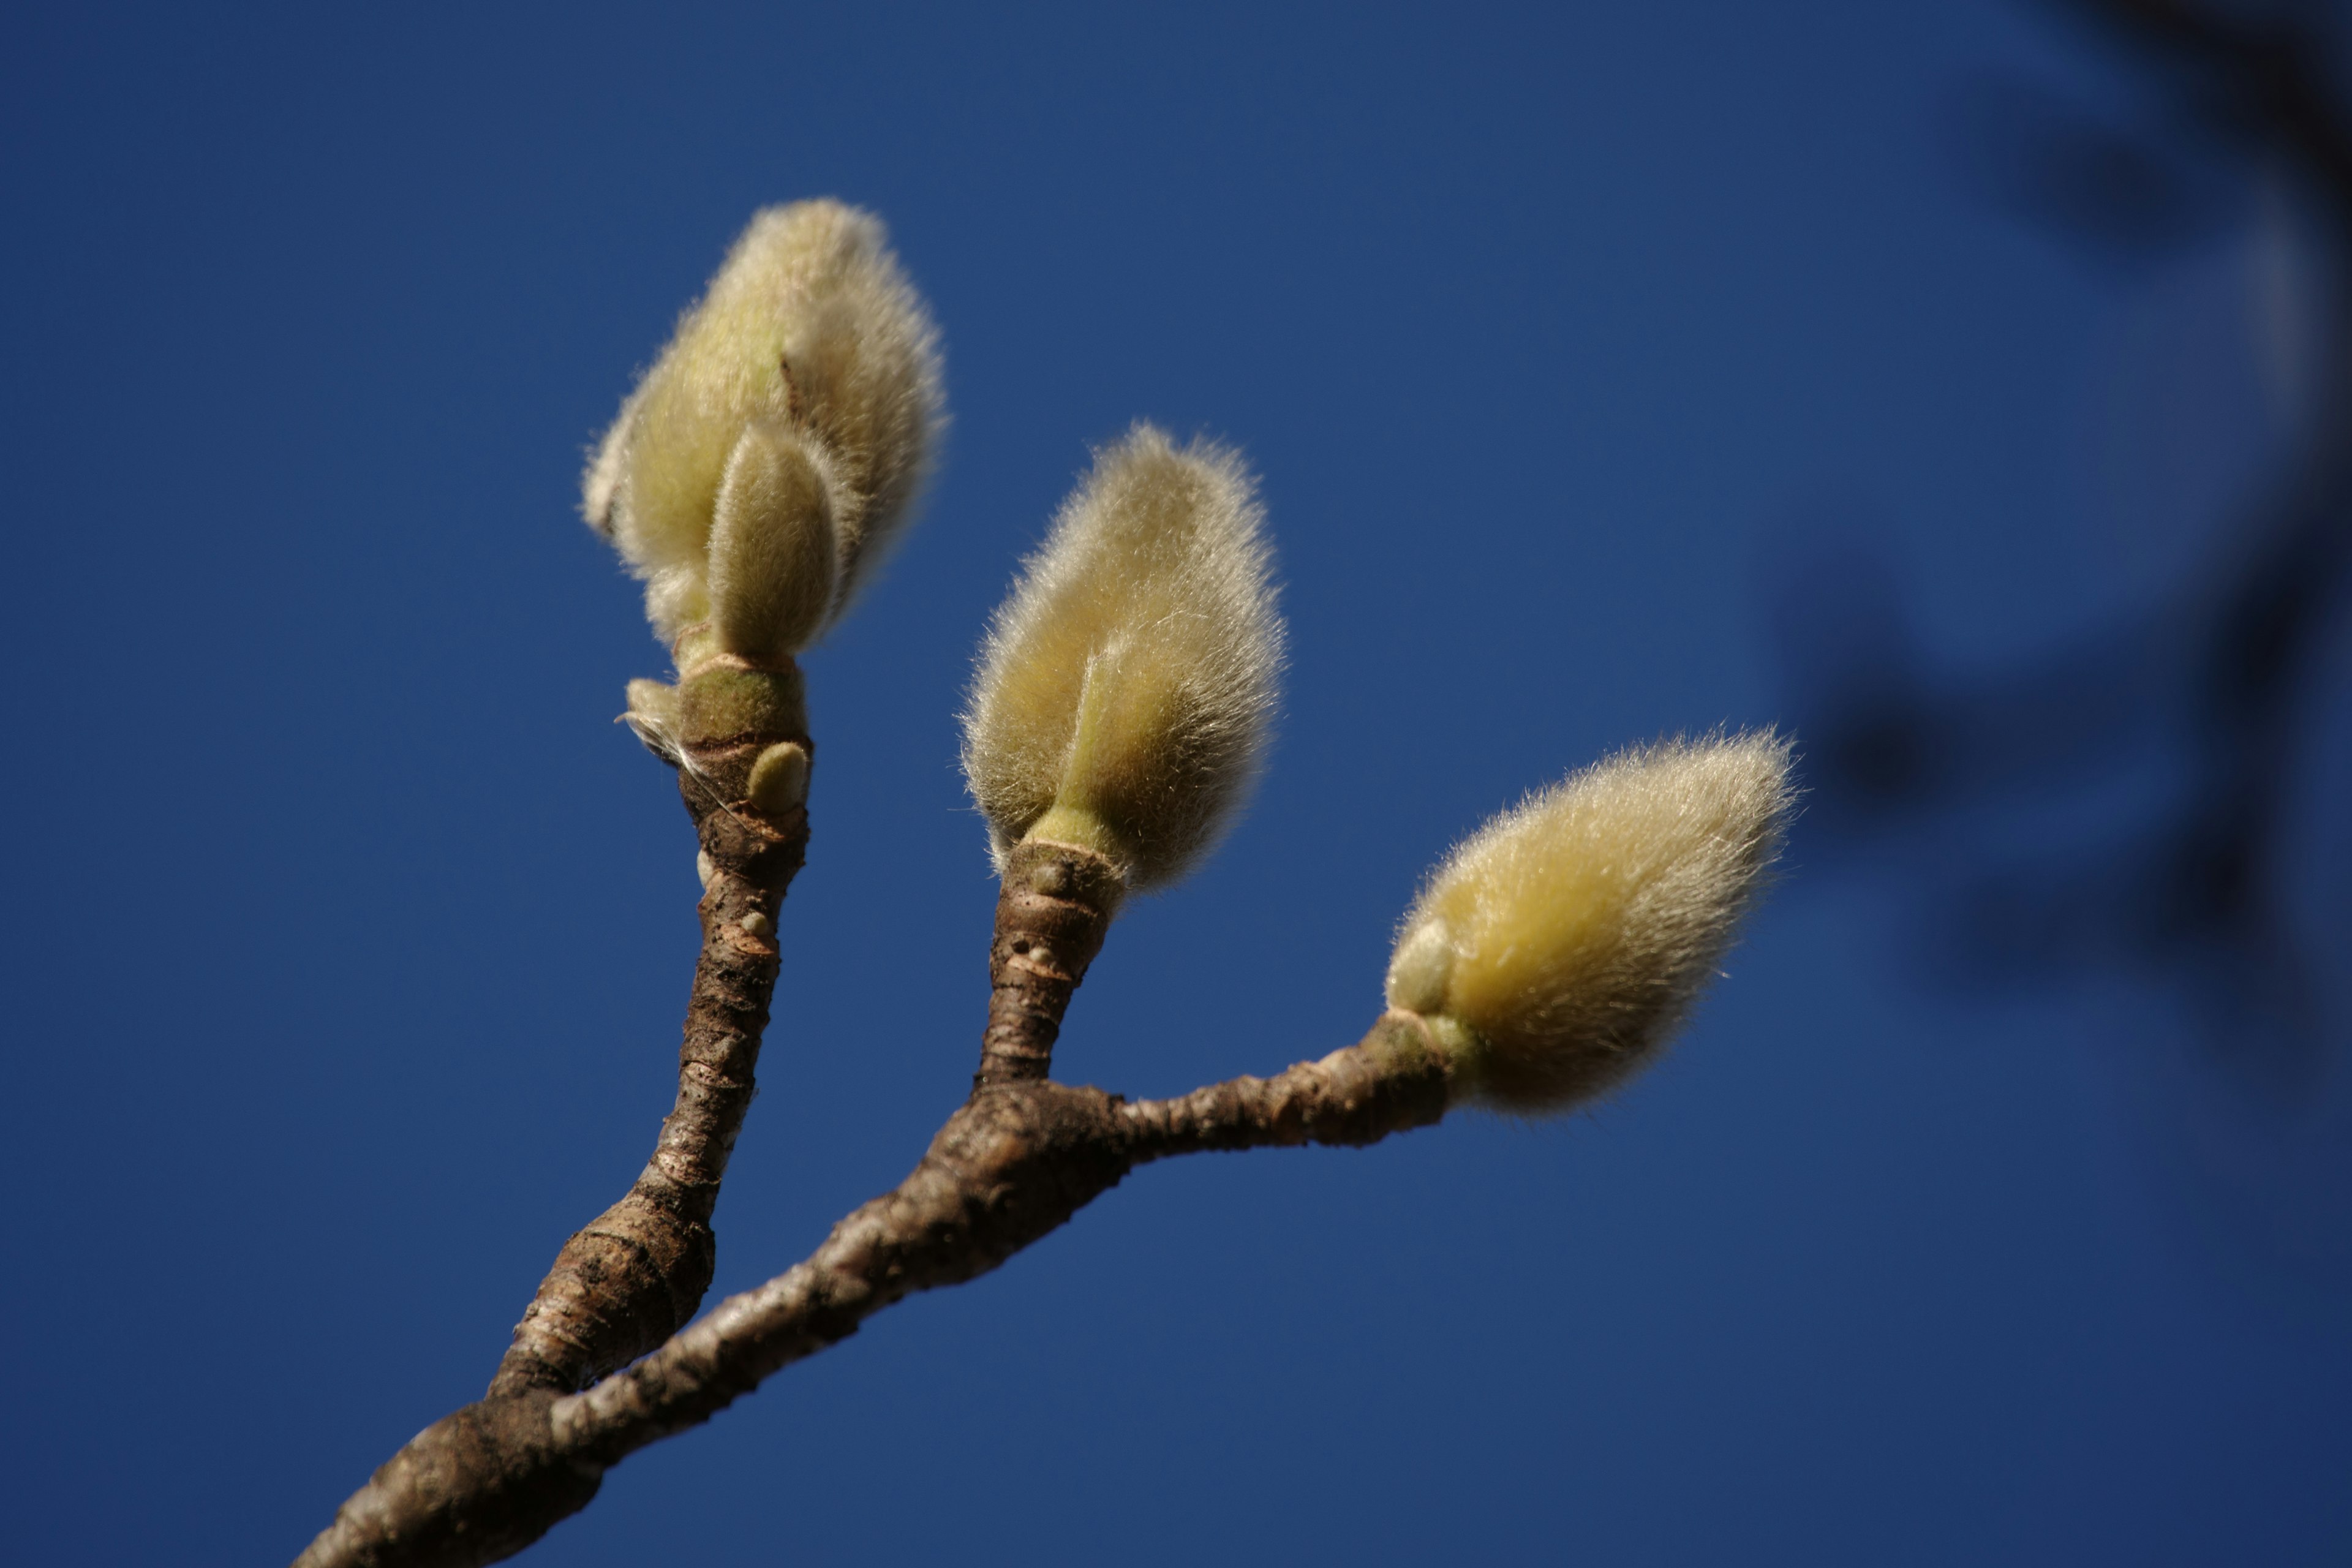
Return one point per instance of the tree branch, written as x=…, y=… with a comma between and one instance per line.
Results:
x=1009, y=1167
x=2271, y=77
x=638, y=1272
x=1051, y=914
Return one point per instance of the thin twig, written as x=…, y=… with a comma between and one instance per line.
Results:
x=1051, y=914
x=637, y=1273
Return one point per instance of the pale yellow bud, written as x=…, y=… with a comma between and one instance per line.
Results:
x=809, y=329
x=771, y=546
x=653, y=715
x=779, y=779
x=601, y=485
x=1558, y=947
x=676, y=598
x=1126, y=688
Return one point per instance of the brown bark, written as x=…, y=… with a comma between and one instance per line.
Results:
x=1014, y=1164
x=1051, y=914
x=638, y=1272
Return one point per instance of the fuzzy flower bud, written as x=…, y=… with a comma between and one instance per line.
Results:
x=773, y=552
x=1556, y=950
x=770, y=454
x=1126, y=688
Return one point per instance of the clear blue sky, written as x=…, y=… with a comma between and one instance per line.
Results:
x=347, y=938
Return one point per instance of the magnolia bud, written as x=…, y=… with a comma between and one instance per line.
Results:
x=771, y=546
x=653, y=715
x=811, y=332
x=780, y=778
x=1126, y=688
x=1556, y=950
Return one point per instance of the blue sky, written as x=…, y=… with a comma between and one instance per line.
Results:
x=347, y=938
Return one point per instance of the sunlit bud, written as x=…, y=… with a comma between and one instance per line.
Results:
x=771, y=546
x=601, y=485
x=779, y=779
x=653, y=715
x=1556, y=950
x=811, y=332
x=1126, y=688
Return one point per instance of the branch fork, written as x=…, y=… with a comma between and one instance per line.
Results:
x=604, y=1362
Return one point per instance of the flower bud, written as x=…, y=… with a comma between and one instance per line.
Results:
x=1556, y=949
x=1126, y=687
x=811, y=344
x=771, y=546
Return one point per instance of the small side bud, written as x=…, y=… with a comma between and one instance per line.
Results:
x=652, y=716
x=771, y=546
x=1126, y=689
x=1558, y=948
x=779, y=779
x=1422, y=968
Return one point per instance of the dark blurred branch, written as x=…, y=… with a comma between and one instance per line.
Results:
x=2228, y=659
x=2265, y=86
x=2261, y=84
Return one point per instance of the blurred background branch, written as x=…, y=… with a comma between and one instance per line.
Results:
x=2213, y=682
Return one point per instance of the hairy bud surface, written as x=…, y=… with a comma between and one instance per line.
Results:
x=1126, y=689
x=1558, y=948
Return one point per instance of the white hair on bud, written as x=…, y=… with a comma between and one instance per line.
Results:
x=809, y=326
x=600, y=486
x=1131, y=675
x=1572, y=934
